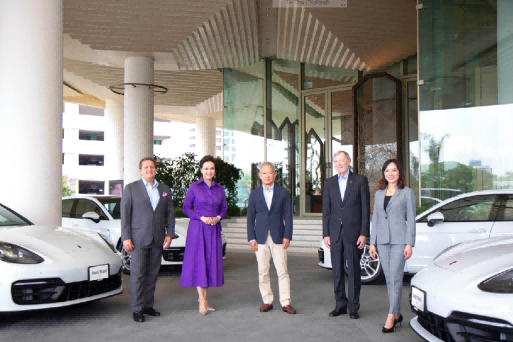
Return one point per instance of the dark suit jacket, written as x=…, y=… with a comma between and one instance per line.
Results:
x=270, y=220
x=138, y=220
x=353, y=213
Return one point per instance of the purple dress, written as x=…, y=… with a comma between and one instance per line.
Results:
x=203, y=256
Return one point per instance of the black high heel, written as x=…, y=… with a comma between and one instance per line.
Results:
x=386, y=331
x=399, y=320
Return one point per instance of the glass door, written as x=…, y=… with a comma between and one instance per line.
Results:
x=342, y=124
x=314, y=150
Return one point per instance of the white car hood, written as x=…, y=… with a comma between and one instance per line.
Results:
x=479, y=257
x=51, y=241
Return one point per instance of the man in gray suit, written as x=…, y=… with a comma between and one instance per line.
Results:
x=345, y=227
x=146, y=211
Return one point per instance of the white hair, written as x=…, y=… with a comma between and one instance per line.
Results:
x=344, y=152
x=268, y=164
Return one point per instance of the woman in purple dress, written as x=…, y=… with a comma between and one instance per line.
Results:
x=203, y=257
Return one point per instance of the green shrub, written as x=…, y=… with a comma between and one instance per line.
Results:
x=244, y=211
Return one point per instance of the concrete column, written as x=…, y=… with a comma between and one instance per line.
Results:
x=505, y=51
x=138, y=136
x=31, y=108
x=114, y=139
x=205, y=136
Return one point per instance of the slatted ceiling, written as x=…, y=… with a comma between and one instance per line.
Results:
x=229, y=38
x=136, y=26
x=211, y=105
x=184, y=88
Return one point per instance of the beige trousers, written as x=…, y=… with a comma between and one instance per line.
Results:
x=279, y=256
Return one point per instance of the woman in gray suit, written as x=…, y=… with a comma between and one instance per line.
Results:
x=393, y=230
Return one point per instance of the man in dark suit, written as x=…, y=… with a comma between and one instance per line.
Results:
x=146, y=211
x=269, y=205
x=345, y=226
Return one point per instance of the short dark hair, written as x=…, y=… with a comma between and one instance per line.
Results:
x=383, y=181
x=145, y=159
x=207, y=158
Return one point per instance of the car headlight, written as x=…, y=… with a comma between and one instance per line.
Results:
x=500, y=283
x=445, y=251
x=107, y=241
x=18, y=255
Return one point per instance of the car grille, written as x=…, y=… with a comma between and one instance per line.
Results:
x=321, y=255
x=173, y=254
x=54, y=290
x=465, y=327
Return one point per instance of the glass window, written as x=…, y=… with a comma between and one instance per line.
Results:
x=321, y=76
x=84, y=206
x=243, y=120
x=218, y=148
x=86, y=110
x=90, y=135
x=113, y=205
x=91, y=187
x=466, y=101
x=192, y=137
x=283, y=126
x=478, y=208
x=218, y=132
x=507, y=213
x=218, y=140
x=192, y=129
x=66, y=207
x=88, y=159
x=10, y=218
x=413, y=138
x=192, y=145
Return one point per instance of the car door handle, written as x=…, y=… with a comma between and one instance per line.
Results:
x=478, y=230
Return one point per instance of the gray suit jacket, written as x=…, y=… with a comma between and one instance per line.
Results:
x=138, y=220
x=396, y=225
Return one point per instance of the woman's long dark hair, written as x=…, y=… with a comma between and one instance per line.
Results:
x=383, y=181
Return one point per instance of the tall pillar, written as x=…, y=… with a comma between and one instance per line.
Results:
x=206, y=136
x=114, y=139
x=505, y=51
x=138, y=136
x=31, y=108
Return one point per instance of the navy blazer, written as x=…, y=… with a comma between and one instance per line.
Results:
x=138, y=220
x=353, y=214
x=270, y=220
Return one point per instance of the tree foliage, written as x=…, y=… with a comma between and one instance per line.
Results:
x=66, y=190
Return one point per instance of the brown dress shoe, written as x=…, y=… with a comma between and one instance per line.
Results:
x=266, y=307
x=288, y=309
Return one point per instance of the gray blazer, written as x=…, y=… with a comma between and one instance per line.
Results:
x=396, y=225
x=138, y=220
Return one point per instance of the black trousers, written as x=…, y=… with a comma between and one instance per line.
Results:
x=340, y=251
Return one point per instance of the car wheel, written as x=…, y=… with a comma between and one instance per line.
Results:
x=371, y=270
x=125, y=256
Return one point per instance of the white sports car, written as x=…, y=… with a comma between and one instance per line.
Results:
x=466, y=293
x=47, y=267
x=101, y=214
x=470, y=216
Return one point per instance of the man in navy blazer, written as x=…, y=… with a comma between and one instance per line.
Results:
x=345, y=227
x=269, y=205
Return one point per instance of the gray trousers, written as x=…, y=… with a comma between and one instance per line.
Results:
x=392, y=261
x=144, y=270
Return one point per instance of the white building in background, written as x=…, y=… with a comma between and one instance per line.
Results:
x=192, y=142
x=85, y=148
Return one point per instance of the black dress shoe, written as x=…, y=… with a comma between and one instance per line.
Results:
x=353, y=314
x=138, y=316
x=151, y=312
x=338, y=311
x=399, y=320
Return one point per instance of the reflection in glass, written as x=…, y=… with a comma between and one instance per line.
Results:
x=321, y=76
x=315, y=147
x=413, y=137
x=377, y=128
x=342, y=123
x=466, y=100
x=243, y=121
x=283, y=127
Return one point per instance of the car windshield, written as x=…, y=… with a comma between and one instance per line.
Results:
x=112, y=205
x=10, y=218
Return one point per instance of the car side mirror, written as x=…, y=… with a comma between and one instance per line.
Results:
x=436, y=217
x=92, y=216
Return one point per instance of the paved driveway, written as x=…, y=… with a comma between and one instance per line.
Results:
x=237, y=317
